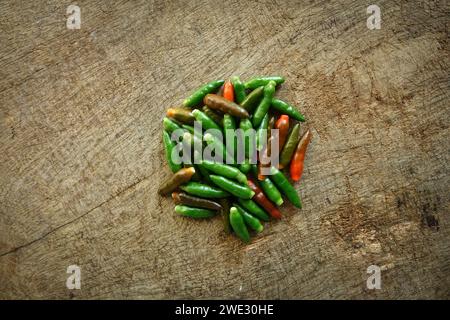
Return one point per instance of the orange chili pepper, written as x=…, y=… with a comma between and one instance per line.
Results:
x=262, y=200
x=282, y=125
x=297, y=162
x=228, y=91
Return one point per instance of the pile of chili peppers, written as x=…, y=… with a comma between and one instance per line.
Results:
x=240, y=192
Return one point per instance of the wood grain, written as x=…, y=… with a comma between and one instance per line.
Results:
x=81, y=155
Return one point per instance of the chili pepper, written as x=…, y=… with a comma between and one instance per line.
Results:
x=196, y=213
x=197, y=97
x=252, y=100
x=204, y=174
x=181, y=176
x=169, y=145
x=239, y=89
x=262, y=200
x=238, y=190
x=195, y=176
x=224, y=171
x=289, y=147
x=225, y=212
x=262, y=81
x=170, y=125
x=297, y=162
x=269, y=188
x=249, y=137
x=267, y=150
x=203, y=190
x=213, y=115
x=230, y=124
x=218, y=147
x=216, y=102
x=285, y=186
x=261, y=133
x=250, y=220
x=183, y=198
x=228, y=91
x=264, y=105
x=245, y=166
x=286, y=108
x=238, y=225
x=253, y=208
x=207, y=122
x=182, y=115
x=282, y=125
x=189, y=128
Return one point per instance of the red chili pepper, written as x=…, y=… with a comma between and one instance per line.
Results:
x=262, y=200
x=282, y=125
x=228, y=91
x=297, y=162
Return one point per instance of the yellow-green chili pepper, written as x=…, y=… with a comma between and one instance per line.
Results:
x=252, y=100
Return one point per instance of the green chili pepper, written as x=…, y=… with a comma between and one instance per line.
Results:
x=213, y=115
x=170, y=125
x=194, y=212
x=169, y=145
x=238, y=225
x=230, y=124
x=204, y=190
x=263, y=81
x=204, y=173
x=207, y=122
x=218, y=146
x=250, y=220
x=282, y=182
x=200, y=93
x=286, y=108
x=183, y=198
x=180, y=114
x=264, y=105
x=252, y=100
x=269, y=188
x=224, y=171
x=217, y=102
x=249, y=142
x=232, y=187
x=225, y=212
x=261, y=133
x=181, y=176
x=239, y=89
x=245, y=166
x=189, y=128
x=253, y=208
x=289, y=147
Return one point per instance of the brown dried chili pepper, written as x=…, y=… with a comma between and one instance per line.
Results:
x=228, y=91
x=262, y=200
x=183, y=198
x=297, y=162
x=217, y=102
x=178, y=178
x=181, y=114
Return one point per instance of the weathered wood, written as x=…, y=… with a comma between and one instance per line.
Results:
x=81, y=155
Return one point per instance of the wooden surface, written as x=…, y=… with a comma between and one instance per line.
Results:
x=81, y=153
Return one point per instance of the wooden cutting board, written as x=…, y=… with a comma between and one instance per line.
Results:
x=81, y=151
